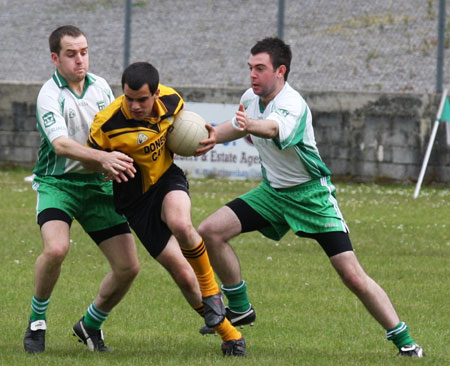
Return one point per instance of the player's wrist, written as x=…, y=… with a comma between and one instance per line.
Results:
x=234, y=123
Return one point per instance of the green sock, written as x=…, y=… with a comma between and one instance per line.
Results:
x=399, y=335
x=94, y=317
x=237, y=297
x=39, y=308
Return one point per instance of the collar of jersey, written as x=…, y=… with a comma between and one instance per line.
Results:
x=62, y=83
x=158, y=106
x=261, y=107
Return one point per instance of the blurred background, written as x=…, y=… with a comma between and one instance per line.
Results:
x=345, y=45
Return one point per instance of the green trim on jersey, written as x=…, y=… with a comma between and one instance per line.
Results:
x=292, y=157
x=62, y=83
x=312, y=161
x=60, y=112
x=264, y=174
x=296, y=137
x=261, y=107
x=314, y=165
x=246, y=103
x=48, y=163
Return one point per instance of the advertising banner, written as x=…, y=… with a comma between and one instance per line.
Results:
x=233, y=160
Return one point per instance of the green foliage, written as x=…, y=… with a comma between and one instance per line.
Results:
x=305, y=315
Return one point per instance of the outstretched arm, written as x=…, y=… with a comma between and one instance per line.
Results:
x=224, y=132
x=236, y=128
x=265, y=128
x=115, y=165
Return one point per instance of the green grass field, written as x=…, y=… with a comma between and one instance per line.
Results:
x=305, y=316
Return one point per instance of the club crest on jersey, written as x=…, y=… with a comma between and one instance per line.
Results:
x=283, y=112
x=141, y=138
x=48, y=119
x=101, y=105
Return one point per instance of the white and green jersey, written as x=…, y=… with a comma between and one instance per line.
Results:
x=292, y=157
x=60, y=112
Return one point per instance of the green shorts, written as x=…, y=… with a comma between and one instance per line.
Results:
x=85, y=197
x=309, y=208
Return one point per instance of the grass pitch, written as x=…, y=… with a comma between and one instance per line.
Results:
x=305, y=316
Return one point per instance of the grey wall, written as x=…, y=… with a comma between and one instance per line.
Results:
x=361, y=136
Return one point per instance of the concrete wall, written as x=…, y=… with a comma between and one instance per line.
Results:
x=361, y=136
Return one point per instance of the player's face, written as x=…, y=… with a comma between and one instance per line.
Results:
x=265, y=81
x=140, y=102
x=73, y=59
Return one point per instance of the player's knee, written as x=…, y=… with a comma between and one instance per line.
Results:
x=56, y=253
x=355, y=281
x=203, y=230
x=206, y=232
x=133, y=271
x=127, y=271
x=182, y=229
x=210, y=236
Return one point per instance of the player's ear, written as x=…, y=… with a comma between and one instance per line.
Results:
x=55, y=59
x=156, y=94
x=282, y=70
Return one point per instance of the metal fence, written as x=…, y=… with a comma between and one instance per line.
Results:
x=386, y=45
x=362, y=45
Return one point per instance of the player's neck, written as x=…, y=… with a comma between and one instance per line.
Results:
x=77, y=87
x=265, y=100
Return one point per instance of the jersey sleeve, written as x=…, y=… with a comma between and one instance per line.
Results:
x=247, y=97
x=106, y=90
x=97, y=138
x=171, y=100
x=292, y=114
x=50, y=117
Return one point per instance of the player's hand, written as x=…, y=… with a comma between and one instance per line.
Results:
x=208, y=143
x=240, y=122
x=118, y=166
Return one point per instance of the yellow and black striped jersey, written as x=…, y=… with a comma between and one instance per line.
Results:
x=114, y=129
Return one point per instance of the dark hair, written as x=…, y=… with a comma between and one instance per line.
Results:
x=279, y=52
x=140, y=73
x=54, y=40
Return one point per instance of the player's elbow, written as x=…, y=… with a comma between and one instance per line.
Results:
x=272, y=129
x=272, y=132
x=59, y=146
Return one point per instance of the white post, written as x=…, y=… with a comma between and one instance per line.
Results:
x=430, y=144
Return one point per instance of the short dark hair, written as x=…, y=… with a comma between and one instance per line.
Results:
x=279, y=52
x=140, y=73
x=54, y=40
